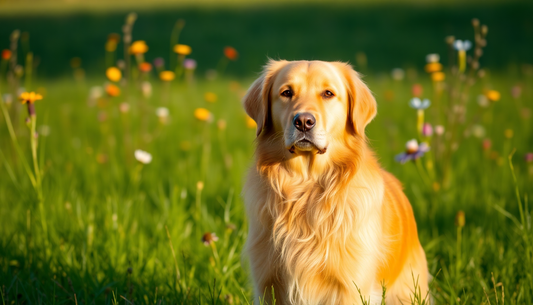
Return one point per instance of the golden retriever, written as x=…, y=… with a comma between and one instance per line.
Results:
x=323, y=215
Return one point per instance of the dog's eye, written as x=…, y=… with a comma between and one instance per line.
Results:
x=328, y=94
x=287, y=93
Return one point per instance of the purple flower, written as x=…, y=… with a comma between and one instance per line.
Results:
x=189, y=64
x=413, y=151
x=159, y=62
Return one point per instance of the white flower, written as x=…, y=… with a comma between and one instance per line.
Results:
x=162, y=112
x=478, y=131
x=416, y=103
x=411, y=146
x=398, y=74
x=461, y=45
x=439, y=130
x=430, y=58
x=482, y=100
x=143, y=156
x=146, y=88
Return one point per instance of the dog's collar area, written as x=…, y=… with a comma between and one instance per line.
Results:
x=319, y=151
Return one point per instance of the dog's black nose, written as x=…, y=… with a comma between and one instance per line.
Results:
x=304, y=121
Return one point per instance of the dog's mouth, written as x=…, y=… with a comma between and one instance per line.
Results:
x=305, y=144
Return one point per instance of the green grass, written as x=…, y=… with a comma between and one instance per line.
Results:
x=106, y=233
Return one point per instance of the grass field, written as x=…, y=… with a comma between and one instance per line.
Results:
x=104, y=228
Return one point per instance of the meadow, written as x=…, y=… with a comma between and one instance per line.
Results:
x=88, y=219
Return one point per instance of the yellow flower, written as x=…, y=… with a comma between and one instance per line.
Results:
x=433, y=67
x=30, y=97
x=210, y=97
x=113, y=74
x=167, y=76
x=250, y=123
x=182, y=49
x=138, y=47
x=438, y=76
x=460, y=219
x=493, y=95
x=112, y=90
x=202, y=114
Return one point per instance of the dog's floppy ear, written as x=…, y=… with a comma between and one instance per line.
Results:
x=362, y=107
x=257, y=100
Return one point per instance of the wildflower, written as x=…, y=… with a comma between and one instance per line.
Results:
x=138, y=47
x=200, y=185
x=143, y=156
x=416, y=103
x=433, y=67
x=6, y=54
x=231, y=53
x=508, y=133
x=145, y=67
x=111, y=45
x=438, y=76
x=482, y=101
x=121, y=64
x=417, y=90
x=94, y=94
x=486, y=144
x=159, y=63
x=432, y=58
x=427, y=130
x=146, y=89
x=516, y=91
x=493, y=95
x=112, y=90
x=529, y=157
x=460, y=219
x=113, y=74
x=398, y=74
x=182, y=49
x=30, y=97
x=210, y=97
x=124, y=107
x=478, y=131
x=113, y=37
x=203, y=114
x=221, y=124
x=209, y=238
x=250, y=123
x=462, y=47
x=167, y=76
x=162, y=114
x=413, y=151
x=189, y=64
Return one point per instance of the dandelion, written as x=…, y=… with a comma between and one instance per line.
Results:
x=397, y=74
x=145, y=67
x=493, y=95
x=113, y=74
x=189, y=64
x=203, y=114
x=433, y=64
x=167, y=76
x=182, y=49
x=461, y=47
x=438, y=76
x=6, y=54
x=162, y=114
x=29, y=98
x=427, y=130
x=138, y=47
x=200, y=185
x=112, y=90
x=413, y=151
x=250, y=123
x=231, y=53
x=209, y=238
x=210, y=97
x=142, y=156
x=146, y=89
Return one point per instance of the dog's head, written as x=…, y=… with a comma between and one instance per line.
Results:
x=312, y=104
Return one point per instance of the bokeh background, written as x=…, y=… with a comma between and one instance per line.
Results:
x=87, y=219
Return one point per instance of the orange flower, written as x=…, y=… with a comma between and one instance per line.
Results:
x=30, y=97
x=113, y=74
x=202, y=114
x=167, y=76
x=145, y=67
x=231, y=53
x=138, y=47
x=433, y=67
x=182, y=49
x=112, y=90
x=6, y=54
x=438, y=76
x=493, y=95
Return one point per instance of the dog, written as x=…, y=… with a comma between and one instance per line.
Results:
x=327, y=225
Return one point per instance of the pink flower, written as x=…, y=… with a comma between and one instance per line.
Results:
x=427, y=130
